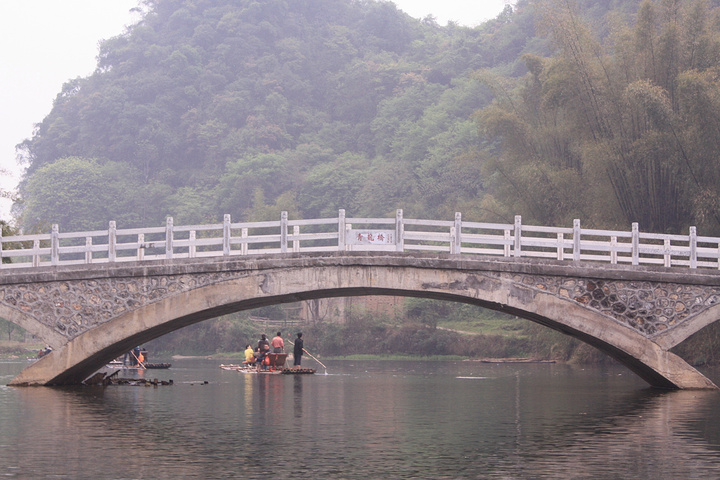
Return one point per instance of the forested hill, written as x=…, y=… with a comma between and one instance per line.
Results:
x=208, y=107
x=250, y=107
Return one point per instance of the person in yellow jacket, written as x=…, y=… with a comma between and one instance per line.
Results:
x=249, y=354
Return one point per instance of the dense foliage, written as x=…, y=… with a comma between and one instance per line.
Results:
x=207, y=107
x=601, y=110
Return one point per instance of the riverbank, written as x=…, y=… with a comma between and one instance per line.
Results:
x=399, y=358
x=16, y=349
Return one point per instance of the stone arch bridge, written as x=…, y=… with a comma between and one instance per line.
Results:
x=92, y=313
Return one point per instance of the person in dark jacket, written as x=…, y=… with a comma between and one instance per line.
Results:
x=298, y=351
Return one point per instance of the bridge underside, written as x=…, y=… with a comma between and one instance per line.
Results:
x=249, y=288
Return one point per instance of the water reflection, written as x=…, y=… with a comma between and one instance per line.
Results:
x=648, y=437
x=297, y=396
x=365, y=421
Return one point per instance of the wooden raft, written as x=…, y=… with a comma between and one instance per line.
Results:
x=297, y=371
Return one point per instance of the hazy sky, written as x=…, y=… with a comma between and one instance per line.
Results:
x=464, y=12
x=44, y=43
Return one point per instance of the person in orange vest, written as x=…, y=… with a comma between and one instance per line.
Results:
x=263, y=349
x=135, y=357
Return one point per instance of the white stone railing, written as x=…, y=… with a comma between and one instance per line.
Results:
x=360, y=234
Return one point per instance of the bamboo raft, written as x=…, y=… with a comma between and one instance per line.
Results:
x=102, y=378
x=297, y=371
x=512, y=360
x=245, y=368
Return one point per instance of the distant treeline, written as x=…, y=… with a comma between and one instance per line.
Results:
x=364, y=333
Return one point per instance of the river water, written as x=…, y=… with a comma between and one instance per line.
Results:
x=362, y=420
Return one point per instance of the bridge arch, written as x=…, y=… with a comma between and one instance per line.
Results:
x=29, y=324
x=294, y=279
x=676, y=336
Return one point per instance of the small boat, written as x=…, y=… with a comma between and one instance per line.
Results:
x=143, y=366
x=129, y=361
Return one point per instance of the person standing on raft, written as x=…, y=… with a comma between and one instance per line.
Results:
x=298, y=351
x=278, y=344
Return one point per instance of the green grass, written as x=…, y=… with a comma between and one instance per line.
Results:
x=14, y=349
x=488, y=326
x=401, y=358
x=228, y=355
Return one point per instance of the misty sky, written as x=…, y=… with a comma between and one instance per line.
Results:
x=44, y=43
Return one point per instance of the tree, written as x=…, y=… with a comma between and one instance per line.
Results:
x=329, y=187
x=83, y=194
x=209, y=105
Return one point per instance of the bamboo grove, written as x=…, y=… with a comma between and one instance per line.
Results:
x=616, y=128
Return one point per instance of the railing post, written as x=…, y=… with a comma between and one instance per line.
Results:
x=36, y=253
x=517, y=248
x=456, y=245
x=192, y=248
x=112, y=241
x=88, y=250
x=667, y=257
x=576, y=240
x=169, y=237
x=635, y=243
x=244, y=245
x=561, y=246
x=141, y=246
x=54, y=245
x=226, y=234
x=399, y=231
x=283, y=231
x=693, y=247
x=341, y=230
x=1, y=250
x=296, y=241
